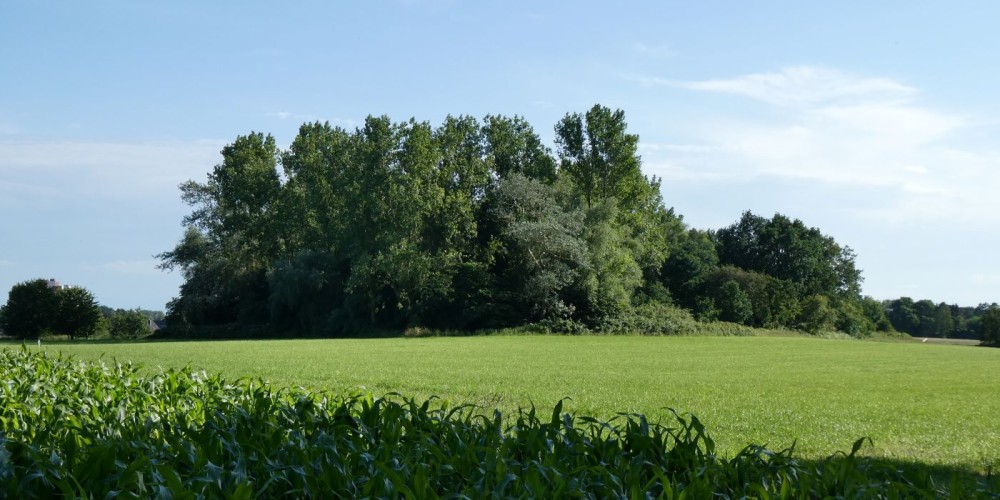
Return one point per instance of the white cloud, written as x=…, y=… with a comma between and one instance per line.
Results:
x=843, y=130
x=809, y=85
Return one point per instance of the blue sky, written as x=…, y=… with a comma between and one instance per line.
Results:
x=877, y=122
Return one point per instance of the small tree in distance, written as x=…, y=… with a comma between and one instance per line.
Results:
x=130, y=324
x=79, y=314
x=30, y=310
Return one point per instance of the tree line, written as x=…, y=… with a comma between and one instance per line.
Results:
x=35, y=309
x=925, y=318
x=476, y=224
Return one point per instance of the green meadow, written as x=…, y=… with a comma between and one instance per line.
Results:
x=934, y=404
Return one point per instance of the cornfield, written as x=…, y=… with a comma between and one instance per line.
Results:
x=103, y=429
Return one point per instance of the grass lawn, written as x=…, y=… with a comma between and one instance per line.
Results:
x=935, y=404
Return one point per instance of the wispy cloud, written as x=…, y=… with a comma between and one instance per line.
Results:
x=804, y=85
x=846, y=130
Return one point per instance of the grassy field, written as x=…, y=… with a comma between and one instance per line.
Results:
x=935, y=404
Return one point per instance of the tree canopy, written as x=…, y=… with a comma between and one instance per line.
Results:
x=476, y=224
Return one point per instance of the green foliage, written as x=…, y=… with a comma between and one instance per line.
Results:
x=512, y=147
x=690, y=264
x=788, y=250
x=34, y=309
x=612, y=275
x=852, y=320
x=756, y=387
x=543, y=252
x=762, y=301
x=470, y=224
x=78, y=429
x=875, y=312
x=131, y=324
x=925, y=318
x=991, y=326
x=304, y=290
x=650, y=319
x=31, y=310
x=733, y=303
x=78, y=313
x=601, y=157
x=817, y=314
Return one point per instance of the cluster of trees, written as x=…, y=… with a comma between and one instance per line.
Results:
x=924, y=318
x=772, y=273
x=34, y=309
x=476, y=224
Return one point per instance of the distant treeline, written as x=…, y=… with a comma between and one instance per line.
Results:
x=35, y=309
x=476, y=224
x=924, y=318
x=153, y=315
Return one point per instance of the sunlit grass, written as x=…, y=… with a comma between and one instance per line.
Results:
x=935, y=404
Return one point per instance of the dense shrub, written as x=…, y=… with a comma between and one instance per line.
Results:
x=650, y=319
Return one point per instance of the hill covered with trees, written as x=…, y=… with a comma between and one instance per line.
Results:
x=476, y=224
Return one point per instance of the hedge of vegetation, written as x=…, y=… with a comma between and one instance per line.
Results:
x=74, y=428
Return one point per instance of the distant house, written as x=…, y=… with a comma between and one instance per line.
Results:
x=153, y=326
x=54, y=283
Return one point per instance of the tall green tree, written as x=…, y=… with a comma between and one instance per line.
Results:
x=512, y=146
x=612, y=275
x=31, y=310
x=230, y=239
x=311, y=213
x=234, y=205
x=542, y=251
x=78, y=313
x=601, y=157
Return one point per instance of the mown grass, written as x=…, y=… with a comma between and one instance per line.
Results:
x=931, y=404
x=77, y=429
